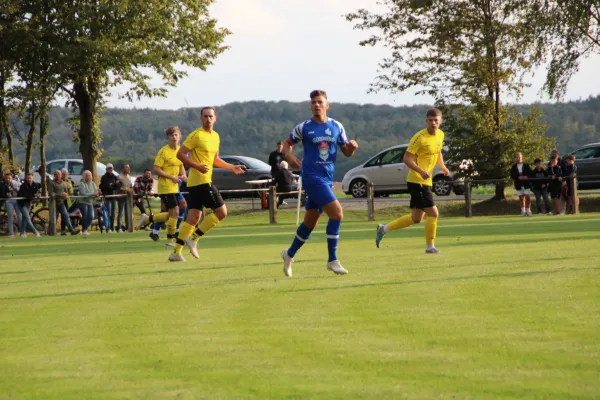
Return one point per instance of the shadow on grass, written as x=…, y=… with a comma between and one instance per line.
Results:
x=450, y=279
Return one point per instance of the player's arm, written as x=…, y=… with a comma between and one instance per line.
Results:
x=236, y=169
x=182, y=155
x=159, y=171
x=292, y=160
x=182, y=173
x=349, y=148
x=440, y=162
x=409, y=161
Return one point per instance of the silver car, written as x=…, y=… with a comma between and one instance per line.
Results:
x=388, y=174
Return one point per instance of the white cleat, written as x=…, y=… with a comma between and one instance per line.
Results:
x=142, y=222
x=529, y=213
x=336, y=267
x=287, y=262
x=176, y=257
x=193, y=246
x=170, y=244
x=432, y=251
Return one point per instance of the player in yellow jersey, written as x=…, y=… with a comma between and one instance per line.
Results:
x=170, y=171
x=423, y=153
x=202, y=145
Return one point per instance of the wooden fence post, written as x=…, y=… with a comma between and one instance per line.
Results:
x=468, y=208
x=129, y=209
x=371, y=202
x=272, y=205
x=51, y=215
x=575, y=195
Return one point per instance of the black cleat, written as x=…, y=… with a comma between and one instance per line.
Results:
x=154, y=236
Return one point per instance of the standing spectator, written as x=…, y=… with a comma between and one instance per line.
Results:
x=109, y=185
x=88, y=189
x=60, y=191
x=520, y=173
x=126, y=188
x=569, y=173
x=540, y=187
x=69, y=203
x=275, y=159
x=143, y=187
x=555, y=173
x=10, y=188
x=29, y=189
x=562, y=163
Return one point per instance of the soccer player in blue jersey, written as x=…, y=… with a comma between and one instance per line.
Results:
x=320, y=137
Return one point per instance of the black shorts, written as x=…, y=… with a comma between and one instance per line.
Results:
x=205, y=195
x=421, y=196
x=170, y=200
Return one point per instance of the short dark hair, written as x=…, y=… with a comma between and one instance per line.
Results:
x=172, y=129
x=318, y=92
x=29, y=173
x=278, y=143
x=537, y=160
x=207, y=108
x=147, y=170
x=571, y=157
x=434, y=112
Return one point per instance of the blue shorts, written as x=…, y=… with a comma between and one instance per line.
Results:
x=319, y=195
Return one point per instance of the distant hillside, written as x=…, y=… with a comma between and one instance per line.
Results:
x=253, y=128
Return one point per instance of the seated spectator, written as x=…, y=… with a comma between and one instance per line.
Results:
x=10, y=188
x=556, y=177
x=89, y=190
x=540, y=186
x=30, y=190
x=285, y=181
x=60, y=191
x=569, y=173
x=69, y=203
x=520, y=173
x=143, y=187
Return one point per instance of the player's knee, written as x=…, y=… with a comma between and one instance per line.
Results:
x=221, y=212
x=417, y=220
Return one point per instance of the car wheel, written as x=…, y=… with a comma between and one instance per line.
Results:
x=358, y=188
x=442, y=186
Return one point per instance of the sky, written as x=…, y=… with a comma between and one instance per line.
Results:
x=283, y=49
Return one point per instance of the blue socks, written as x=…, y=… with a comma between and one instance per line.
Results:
x=180, y=218
x=302, y=235
x=333, y=236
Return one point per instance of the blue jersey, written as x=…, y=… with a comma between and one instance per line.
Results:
x=320, y=143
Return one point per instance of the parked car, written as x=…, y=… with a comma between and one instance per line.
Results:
x=388, y=174
x=227, y=180
x=74, y=166
x=588, y=166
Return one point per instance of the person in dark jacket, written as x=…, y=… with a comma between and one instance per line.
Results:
x=568, y=173
x=275, y=158
x=540, y=186
x=520, y=173
x=109, y=185
x=30, y=190
x=556, y=178
x=285, y=181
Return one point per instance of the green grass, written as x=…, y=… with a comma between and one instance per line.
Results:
x=510, y=310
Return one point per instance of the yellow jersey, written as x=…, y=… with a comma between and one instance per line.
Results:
x=167, y=160
x=203, y=147
x=426, y=149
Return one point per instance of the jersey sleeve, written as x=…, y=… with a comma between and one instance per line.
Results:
x=296, y=134
x=159, y=160
x=342, y=138
x=190, y=141
x=414, y=144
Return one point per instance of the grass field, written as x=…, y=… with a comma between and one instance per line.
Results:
x=510, y=310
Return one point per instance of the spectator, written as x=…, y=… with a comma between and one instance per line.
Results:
x=69, y=203
x=285, y=181
x=143, y=187
x=569, y=173
x=540, y=187
x=126, y=188
x=109, y=185
x=29, y=189
x=275, y=158
x=88, y=189
x=10, y=188
x=60, y=191
x=556, y=178
x=520, y=173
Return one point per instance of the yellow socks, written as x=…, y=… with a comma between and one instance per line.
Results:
x=171, y=229
x=160, y=217
x=185, y=231
x=210, y=221
x=402, y=222
x=430, y=229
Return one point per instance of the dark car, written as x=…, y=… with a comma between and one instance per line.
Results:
x=226, y=180
x=587, y=159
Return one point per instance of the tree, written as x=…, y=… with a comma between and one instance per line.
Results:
x=458, y=51
x=571, y=29
x=99, y=44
